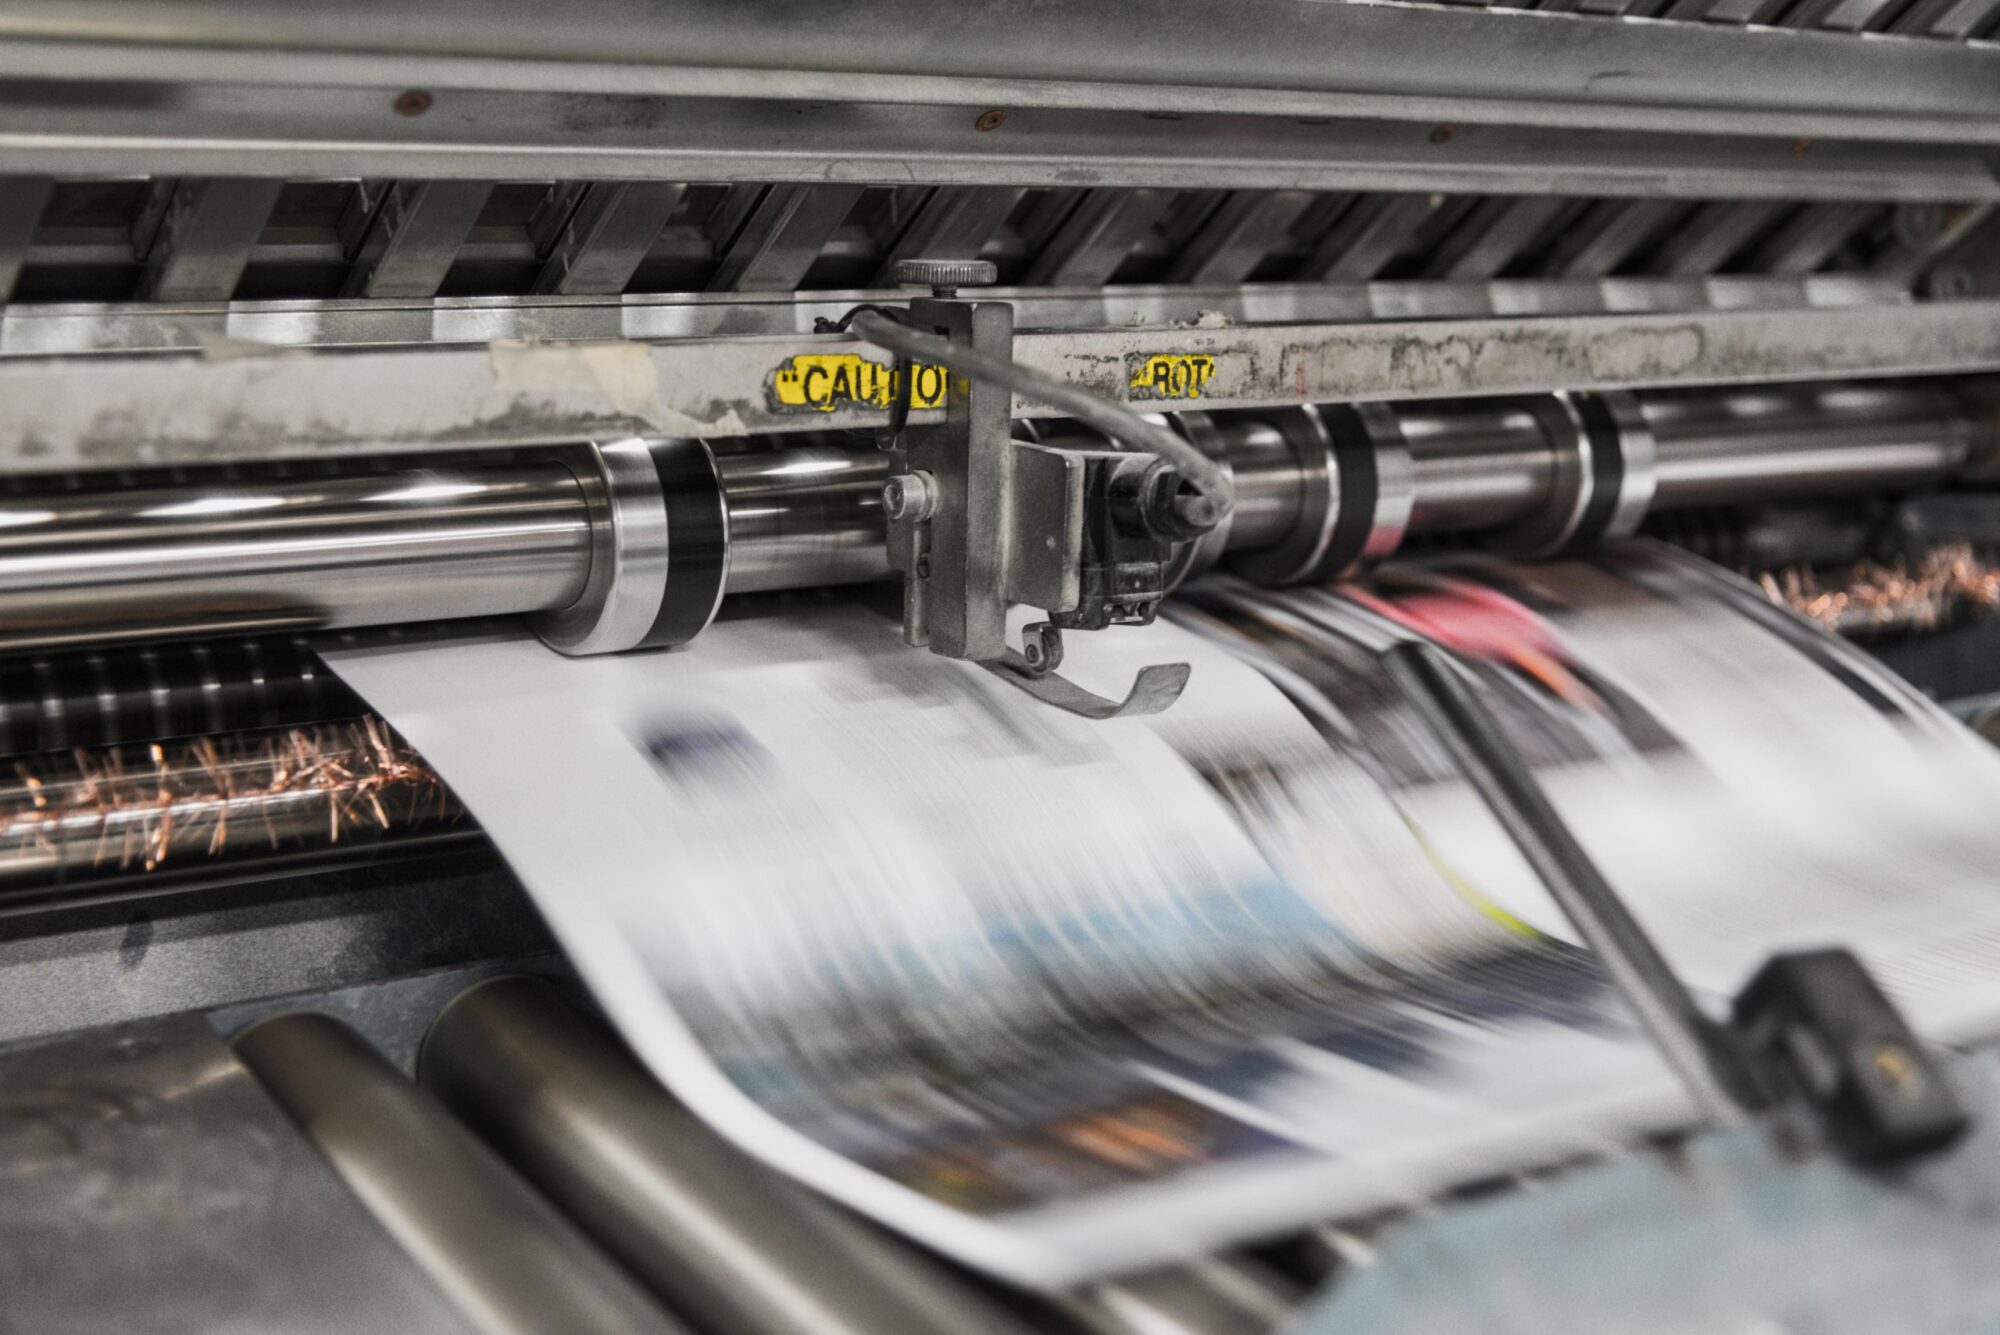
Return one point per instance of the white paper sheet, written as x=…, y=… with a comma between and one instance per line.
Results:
x=1056, y=997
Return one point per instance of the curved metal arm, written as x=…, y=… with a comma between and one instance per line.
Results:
x=1215, y=491
x=1153, y=690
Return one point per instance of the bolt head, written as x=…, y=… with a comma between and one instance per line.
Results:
x=911, y=496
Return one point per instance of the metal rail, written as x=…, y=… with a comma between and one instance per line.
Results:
x=67, y=413
x=30, y=330
x=1296, y=59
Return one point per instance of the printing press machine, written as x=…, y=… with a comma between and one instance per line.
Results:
x=372, y=319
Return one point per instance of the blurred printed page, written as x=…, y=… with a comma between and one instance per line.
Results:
x=1056, y=997
x=1746, y=781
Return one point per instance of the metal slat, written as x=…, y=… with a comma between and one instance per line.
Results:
x=357, y=214
x=781, y=238
x=1840, y=15
x=1246, y=227
x=1096, y=237
x=1603, y=8
x=552, y=213
x=602, y=243
x=1492, y=236
x=205, y=236
x=1953, y=20
x=414, y=237
x=1810, y=238
x=22, y=199
x=1737, y=12
x=954, y=223
x=1372, y=231
x=1606, y=236
x=1705, y=240
x=726, y=218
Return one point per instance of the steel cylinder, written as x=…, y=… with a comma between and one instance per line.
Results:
x=1268, y=494
x=1763, y=445
x=101, y=566
x=740, y=1249
x=338, y=551
x=1478, y=465
x=499, y=1251
x=804, y=515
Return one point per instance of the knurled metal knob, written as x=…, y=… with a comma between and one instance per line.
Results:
x=945, y=277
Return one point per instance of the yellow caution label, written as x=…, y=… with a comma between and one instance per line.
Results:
x=822, y=382
x=1170, y=375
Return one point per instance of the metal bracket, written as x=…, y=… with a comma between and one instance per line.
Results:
x=1032, y=667
x=979, y=521
x=1155, y=688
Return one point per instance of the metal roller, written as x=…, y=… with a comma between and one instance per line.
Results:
x=1761, y=445
x=740, y=1249
x=633, y=543
x=338, y=551
x=802, y=515
x=158, y=692
x=499, y=1251
x=1545, y=473
x=73, y=821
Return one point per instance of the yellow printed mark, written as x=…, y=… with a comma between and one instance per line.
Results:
x=822, y=382
x=1175, y=375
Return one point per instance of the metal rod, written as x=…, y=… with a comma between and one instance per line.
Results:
x=103, y=566
x=1699, y=1050
x=338, y=551
x=804, y=516
x=1268, y=494
x=498, y=1250
x=1762, y=445
x=739, y=1248
x=1477, y=465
